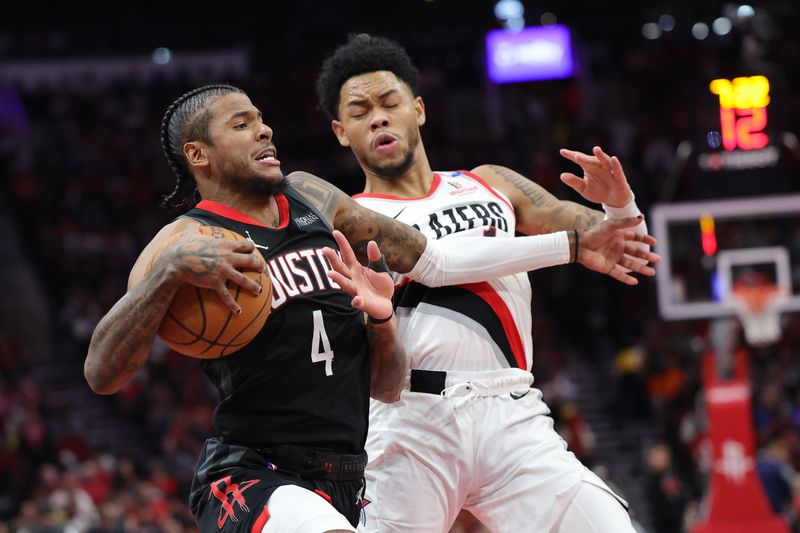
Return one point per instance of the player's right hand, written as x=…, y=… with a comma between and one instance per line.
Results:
x=210, y=263
x=610, y=249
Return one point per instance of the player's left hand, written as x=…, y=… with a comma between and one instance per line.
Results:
x=611, y=248
x=603, y=181
x=371, y=291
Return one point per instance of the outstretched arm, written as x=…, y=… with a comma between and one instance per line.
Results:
x=179, y=254
x=538, y=211
x=401, y=244
x=469, y=259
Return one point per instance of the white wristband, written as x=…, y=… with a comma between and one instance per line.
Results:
x=628, y=210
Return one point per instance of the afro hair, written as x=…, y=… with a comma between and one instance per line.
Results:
x=362, y=53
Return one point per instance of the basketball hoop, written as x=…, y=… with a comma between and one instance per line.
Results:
x=759, y=309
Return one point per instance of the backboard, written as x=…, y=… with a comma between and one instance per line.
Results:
x=707, y=247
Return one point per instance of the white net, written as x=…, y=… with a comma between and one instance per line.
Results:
x=759, y=311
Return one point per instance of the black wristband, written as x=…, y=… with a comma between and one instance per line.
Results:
x=576, y=246
x=379, y=265
x=381, y=320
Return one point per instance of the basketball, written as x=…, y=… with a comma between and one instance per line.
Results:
x=199, y=324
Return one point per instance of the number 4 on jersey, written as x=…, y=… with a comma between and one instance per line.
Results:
x=320, y=340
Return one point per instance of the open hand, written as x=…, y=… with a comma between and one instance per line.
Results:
x=371, y=291
x=603, y=181
x=610, y=249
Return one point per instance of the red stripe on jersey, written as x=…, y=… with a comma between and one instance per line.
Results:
x=489, y=188
x=435, y=185
x=490, y=296
x=283, y=211
x=228, y=212
x=258, y=525
x=324, y=496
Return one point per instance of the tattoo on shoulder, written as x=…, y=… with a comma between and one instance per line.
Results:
x=535, y=193
x=320, y=193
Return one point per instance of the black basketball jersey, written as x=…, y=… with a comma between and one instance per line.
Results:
x=304, y=379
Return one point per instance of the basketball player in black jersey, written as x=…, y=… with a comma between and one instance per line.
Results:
x=292, y=420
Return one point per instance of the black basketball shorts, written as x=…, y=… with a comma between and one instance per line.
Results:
x=233, y=483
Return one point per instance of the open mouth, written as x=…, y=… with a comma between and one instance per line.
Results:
x=384, y=142
x=268, y=157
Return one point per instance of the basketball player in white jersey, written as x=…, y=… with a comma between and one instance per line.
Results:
x=469, y=431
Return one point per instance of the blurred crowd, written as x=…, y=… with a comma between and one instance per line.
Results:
x=84, y=176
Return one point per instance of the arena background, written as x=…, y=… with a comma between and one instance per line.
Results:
x=81, y=98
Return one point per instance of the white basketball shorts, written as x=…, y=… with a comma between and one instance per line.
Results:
x=486, y=444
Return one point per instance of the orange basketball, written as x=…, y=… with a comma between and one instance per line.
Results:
x=199, y=324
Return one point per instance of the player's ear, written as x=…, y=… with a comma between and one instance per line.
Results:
x=419, y=109
x=195, y=154
x=338, y=130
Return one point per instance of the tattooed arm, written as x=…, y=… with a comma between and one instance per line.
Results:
x=179, y=254
x=537, y=210
x=401, y=244
x=471, y=259
x=603, y=182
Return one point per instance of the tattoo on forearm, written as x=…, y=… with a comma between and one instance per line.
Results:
x=564, y=214
x=400, y=244
x=122, y=345
x=123, y=338
x=569, y=215
x=581, y=217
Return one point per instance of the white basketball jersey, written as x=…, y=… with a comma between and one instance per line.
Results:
x=471, y=327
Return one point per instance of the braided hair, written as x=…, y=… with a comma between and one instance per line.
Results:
x=361, y=54
x=181, y=124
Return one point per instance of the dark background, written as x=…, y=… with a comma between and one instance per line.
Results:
x=82, y=174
